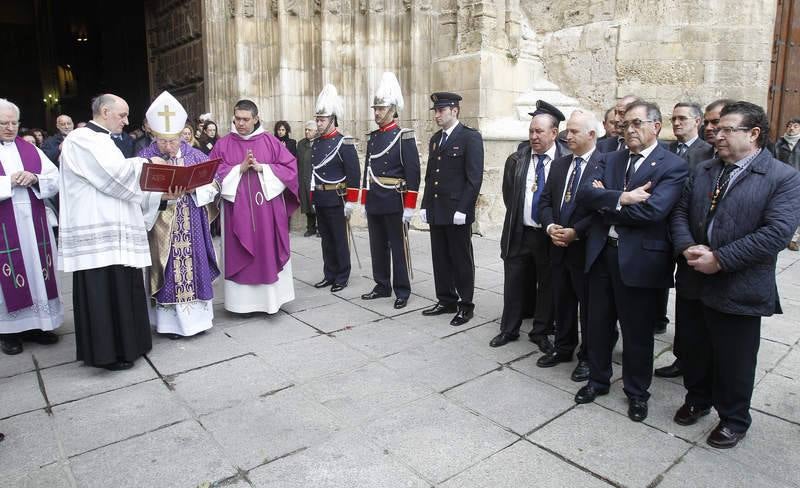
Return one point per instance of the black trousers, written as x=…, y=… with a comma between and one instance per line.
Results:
x=311, y=222
x=453, y=264
x=528, y=277
x=636, y=309
x=570, y=288
x=719, y=354
x=332, y=227
x=111, y=320
x=663, y=302
x=388, y=254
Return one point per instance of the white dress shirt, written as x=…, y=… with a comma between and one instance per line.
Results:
x=526, y=216
x=612, y=232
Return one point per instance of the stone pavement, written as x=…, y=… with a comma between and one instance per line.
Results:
x=334, y=391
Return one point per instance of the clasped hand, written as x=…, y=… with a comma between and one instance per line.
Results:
x=249, y=163
x=24, y=179
x=702, y=259
x=561, y=236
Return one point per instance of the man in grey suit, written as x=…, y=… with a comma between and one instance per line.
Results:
x=686, y=118
x=735, y=215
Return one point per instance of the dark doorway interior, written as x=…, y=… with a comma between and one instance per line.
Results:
x=70, y=52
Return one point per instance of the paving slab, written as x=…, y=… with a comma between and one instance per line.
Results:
x=227, y=384
x=55, y=475
x=488, y=304
x=271, y=330
x=306, y=299
x=61, y=352
x=477, y=340
x=705, y=467
x=13, y=365
x=437, y=325
x=486, y=278
x=437, y=438
x=347, y=460
x=789, y=365
x=526, y=403
x=385, y=306
x=182, y=455
x=170, y=357
x=110, y=417
x=780, y=328
x=74, y=380
x=19, y=394
x=769, y=354
x=267, y=428
x=385, y=337
x=30, y=443
x=611, y=445
x=337, y=316
x=523, y=464
x=366, y=393
x=779, y=396
x=439, y=364
x=307, y=359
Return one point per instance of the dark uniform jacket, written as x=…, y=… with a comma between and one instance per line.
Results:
x=334, y=160
x=401, y=160
x=50, y=147
x=304, y=174
x=753, y=222
x=454, y=175
x=514, y=185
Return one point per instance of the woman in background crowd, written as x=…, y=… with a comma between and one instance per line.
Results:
x=209, y=136
x=282, y=132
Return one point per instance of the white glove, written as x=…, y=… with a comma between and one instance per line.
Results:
x=348, y=208
x=407, y=214
x=423, y=216
x=459, y=218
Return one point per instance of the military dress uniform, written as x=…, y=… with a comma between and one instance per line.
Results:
x=334, y=180
x=390, y=184
x=452, y=183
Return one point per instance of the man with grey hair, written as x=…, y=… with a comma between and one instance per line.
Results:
x=567, y=225
x=29, y=305
x=304, y=177
x=52, y=145
x=104, y=239
x=686, y=119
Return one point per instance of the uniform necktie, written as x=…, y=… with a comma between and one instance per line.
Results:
x=631, y=169
x=538, y=187
x=444, y=140
x=682, y=148
x=621, y=144
x=572, y=185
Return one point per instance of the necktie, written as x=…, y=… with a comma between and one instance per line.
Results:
x=572, y=185
x=631, y=169
x=682, y=148
x=443, y=140
x=538, y=187
x=621, y=144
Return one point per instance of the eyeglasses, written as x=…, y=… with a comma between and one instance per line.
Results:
x=11, y=123
x=636, y=123
x=726, y=131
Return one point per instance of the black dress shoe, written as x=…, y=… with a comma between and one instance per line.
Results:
x=2, y=436
x=588, y=393
x=11, y=345
x=309, y=233
x=502, y=339
x=462, y=317
x=118, y=366
x=400, y=303
x=373, y=295
x=338, y=287
x=552, y=359
x=724, y=438
x=660, y=329
x=174, y=337
x=671, y=371
x=440, y=308
x=39, y=336
x=689, y=414
x=581, y=371
x=323, y=283
x=637, y=409
x=544, y=344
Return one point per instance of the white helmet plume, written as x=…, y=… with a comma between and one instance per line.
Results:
x=329, y=103
x=389, y=92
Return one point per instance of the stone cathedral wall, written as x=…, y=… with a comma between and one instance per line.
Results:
x=500, y=55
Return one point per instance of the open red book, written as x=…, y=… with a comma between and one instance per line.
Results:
x=161, y=177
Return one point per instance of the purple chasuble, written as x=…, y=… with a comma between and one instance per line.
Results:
x=196, y=264
x=256, y=230
x=13, y=279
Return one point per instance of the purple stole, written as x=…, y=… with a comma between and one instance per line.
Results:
x=13, y=279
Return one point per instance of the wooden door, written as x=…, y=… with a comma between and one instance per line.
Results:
x=784, y=92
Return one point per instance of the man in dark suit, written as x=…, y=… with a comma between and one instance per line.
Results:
x=452, y=183
x=628, y=254
x=735, y=216
x=617, y=143
x=524, y=244
x=686, y=119
x=567, y=225
x=609, y=125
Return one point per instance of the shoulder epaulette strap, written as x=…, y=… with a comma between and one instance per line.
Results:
x=348, y=140
x=407, y=134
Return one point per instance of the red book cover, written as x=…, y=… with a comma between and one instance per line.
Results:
x=161, y=177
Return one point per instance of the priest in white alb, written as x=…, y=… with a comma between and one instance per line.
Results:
x=104, y=239
x=29, y=305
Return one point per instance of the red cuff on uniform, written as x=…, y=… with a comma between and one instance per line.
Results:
x=311, y=196
x=352, y=195
x=410, y=199
x=364, y=196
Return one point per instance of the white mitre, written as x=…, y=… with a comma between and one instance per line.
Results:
x=389, y=93
x=166, y=116
x=329, y=103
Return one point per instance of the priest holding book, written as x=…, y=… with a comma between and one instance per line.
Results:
x=258, y=178
x=184, y=264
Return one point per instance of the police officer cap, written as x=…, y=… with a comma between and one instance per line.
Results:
x=445, y=99
x=543, y=107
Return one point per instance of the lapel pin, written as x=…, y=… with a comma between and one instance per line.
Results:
x=455, y=147
x=653, y=163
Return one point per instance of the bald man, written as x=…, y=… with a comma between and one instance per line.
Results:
x=52, y=145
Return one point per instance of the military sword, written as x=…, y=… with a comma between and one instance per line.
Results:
x=352, y=239
x=407, y=251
